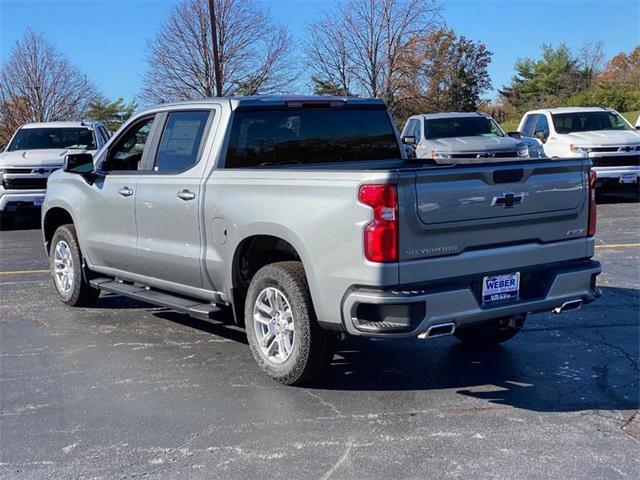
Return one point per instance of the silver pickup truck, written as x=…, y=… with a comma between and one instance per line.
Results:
x=303, y=217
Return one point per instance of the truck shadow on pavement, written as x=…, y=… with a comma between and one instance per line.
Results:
x=585, y=360
x=581, y=361
x=613, y=196
x=26, y=221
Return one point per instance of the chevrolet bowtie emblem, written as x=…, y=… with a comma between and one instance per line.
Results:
x=508, y=200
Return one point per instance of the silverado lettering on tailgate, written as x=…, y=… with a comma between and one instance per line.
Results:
x=432, y=251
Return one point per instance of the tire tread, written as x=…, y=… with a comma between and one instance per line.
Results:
x=320, y=344
x=84, y=295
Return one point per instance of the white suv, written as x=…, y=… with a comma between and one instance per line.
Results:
x=602, y=134
x=36, y=150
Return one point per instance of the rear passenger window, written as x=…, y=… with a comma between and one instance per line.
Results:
x=542, y=126
x=529, y=123
x=416, y=131
x=105, y=134
x=181, y=139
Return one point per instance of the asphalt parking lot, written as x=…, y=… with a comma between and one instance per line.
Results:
x=125, y=390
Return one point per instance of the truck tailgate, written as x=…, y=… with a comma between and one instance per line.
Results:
x=483, y=210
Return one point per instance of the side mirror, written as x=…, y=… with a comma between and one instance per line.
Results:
x=409, y=140
x=542, y=136
x=517, y=135
x=81, y=163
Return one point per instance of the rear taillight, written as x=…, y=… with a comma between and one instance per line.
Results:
x=592, y=204
x=381, y=235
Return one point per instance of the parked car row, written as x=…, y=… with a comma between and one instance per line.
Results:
x=600, y=134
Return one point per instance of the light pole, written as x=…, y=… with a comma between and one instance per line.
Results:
x=216, y=56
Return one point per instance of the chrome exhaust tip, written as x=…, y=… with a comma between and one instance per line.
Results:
x=568, y=306
x=438, y=330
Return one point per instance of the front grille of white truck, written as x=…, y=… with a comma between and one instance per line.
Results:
x=617, y=161
x=25, y=183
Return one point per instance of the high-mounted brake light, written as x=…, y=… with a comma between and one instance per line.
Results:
x=315, y=103
x=591, y=231
x=381, y=235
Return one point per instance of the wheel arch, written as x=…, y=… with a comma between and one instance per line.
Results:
x=253, y=252
x=52, y=219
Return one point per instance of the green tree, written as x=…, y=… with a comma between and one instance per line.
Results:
x=111, y=113
x=327, y=87
x=546, y=82
x=448, y=73
x=465, y=76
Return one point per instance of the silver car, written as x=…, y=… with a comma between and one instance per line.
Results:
x=448, y=138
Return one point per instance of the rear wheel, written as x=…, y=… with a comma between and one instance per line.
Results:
x=281, y=325
x=66, y=269
x=493, y=332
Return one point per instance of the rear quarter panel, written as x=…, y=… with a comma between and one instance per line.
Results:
x=317, y=212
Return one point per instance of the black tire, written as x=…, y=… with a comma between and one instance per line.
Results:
x=80, y=293
x=313, y=347
x=492, y=332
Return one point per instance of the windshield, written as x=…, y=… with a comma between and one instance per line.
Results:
x=461, y=127
x=588, y=122
x=53, y=138
x=310, y=136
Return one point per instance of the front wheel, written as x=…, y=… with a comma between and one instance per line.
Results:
x=66, y=268
x=281, y=325
x=492, y=332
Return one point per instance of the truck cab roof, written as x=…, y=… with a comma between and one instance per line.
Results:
x=571, y=110
x=273, y=100
x=430, y=116
x=69, y=124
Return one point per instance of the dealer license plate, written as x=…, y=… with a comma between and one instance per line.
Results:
x=628, y=178
x=500, y=287
x=37, y=202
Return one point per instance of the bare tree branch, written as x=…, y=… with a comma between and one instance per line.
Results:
x=37, y=84
x=254, y=53
x=364, y=47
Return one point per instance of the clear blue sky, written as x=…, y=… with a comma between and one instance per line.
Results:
x=106, y=38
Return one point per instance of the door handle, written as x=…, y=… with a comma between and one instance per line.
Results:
x=125, y=192
x=186, y=195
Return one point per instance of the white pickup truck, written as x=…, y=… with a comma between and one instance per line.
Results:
x=450, y=137
x=36, y=150
x=601, y=134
